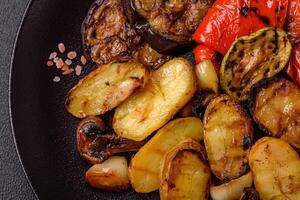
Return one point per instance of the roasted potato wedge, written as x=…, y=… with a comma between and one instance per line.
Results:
x=170, y=88
x=233, y=189
x=105, y=88
x=228, y=134
x=276, y=169
x=275, y=107
x=184, y=174
x=145, y=166
x=111, y=175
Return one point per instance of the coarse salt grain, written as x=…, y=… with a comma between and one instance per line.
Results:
x=68, y=71
x=68, y=62
x=71, y=55
x=78, y=70
x=60, y=63
x=50, y=63
x=56, y=79
x=52, y=55
x=65, y=68
x=83, y=60
x=61, y=47
x=55, y=60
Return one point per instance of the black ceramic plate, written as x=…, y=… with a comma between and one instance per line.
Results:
x=44, y=131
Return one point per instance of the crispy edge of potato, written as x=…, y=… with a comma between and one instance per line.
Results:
x=142, y=162
x=189, y=145
x=257, y=155
x=233, y=189
x=107, y=105
x=152, y=86
x=246, y=140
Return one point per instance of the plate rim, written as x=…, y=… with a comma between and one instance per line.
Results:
x=11, y=65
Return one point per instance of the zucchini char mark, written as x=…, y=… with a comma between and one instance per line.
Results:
x=107, y=31
x=228, y=134
x=275, y=107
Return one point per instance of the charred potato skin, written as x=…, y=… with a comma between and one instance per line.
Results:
x=169, y=173
x=105, y=88
x=276, y=169
x=127, y=34
x=249, y=194
x=264, y=85
x=168, y=90
x=242, y=140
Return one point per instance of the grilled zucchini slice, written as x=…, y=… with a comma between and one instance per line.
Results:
x=170, y=88
x=253, y=58
x=184, y=173
x=228, y=134
x=276, y=169
x=105, y=88
x=275, y=107
x=145, y=166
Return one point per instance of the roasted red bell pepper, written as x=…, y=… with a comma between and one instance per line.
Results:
x=293, y=28
x=230, y=19
x=202, y=53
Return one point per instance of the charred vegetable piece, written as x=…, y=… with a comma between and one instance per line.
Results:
x=253, y=58
x=229, y=19
x=276, y=169
x=228, y=134
x=111, y=175
x=145, y=166
x=275, y=107
x=233, y=189
x=200, y=102
x=108, y=32
x=207, y=77
x=250, y=194
x=184, y=173
x=105, y=88
x=170, y=88
x=96, y=145
x=175, y=20
x=151, y=58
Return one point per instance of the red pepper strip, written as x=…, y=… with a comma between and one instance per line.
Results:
x=293, y=68
x=202, y=53
x=229, y=19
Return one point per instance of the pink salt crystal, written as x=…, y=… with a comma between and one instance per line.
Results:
x=68, y=62
x=50, y=63
x=61, y=47
x=60, y=63
x=56, y=79
x=71, y=55
x=52, y=55
x=78, y=70
x=83, y=60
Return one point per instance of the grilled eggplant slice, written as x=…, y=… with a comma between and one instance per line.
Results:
x=253, y=58
x=95, y=144
x=275, y=107
x=228, y=134
x=145, y=166
x=184, y=173
x=108, y=32
x=175, y=20
x=170, y=88
x=276, y=169
x=105, y=88
x=250, y=194
x=111, y=175
x=233, y=189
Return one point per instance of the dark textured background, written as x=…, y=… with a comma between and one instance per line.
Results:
x=13, y=182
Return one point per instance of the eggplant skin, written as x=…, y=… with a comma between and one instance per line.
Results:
x=252, y=58
x=275, y=107
x=228, y=135
x=175, y=20
x=107, y=32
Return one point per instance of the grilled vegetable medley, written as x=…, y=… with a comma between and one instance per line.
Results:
x=220, y=121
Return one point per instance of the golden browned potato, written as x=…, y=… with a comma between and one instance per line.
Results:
x=228, y=133
x=184, y=174
x=276, y=169
x=170, y=88
x=111, y=175
x=233, y=189
x=145, y=166
x=105, y=88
